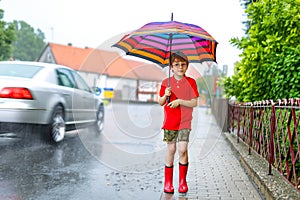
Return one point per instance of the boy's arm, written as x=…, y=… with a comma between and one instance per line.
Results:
x=162, y=99
x=188, y=103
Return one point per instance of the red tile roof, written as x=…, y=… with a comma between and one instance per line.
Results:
x=104, y=62
x=69, y=55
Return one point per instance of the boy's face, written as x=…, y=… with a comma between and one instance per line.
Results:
x=179, y=67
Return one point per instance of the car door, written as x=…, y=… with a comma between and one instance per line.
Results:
x=66, y=80
x=87, y=99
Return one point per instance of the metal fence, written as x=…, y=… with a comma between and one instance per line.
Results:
x=272, y=130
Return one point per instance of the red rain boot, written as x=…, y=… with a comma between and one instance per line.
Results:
x=168, y=186
x=183, y=188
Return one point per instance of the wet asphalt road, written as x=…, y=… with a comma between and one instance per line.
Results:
x=124, y=162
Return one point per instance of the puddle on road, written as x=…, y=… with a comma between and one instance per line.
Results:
x=7, y=138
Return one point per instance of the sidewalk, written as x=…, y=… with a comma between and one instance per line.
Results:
x=214, y=169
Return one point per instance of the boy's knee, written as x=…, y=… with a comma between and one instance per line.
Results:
x=172, y=148
x=182, y=151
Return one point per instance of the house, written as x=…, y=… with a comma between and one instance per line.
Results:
x=128, y=79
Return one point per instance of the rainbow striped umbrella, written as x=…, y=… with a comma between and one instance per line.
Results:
x=156, y=40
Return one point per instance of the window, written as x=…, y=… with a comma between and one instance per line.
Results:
x=81, y=84
x=65, y=78
x=19, y=70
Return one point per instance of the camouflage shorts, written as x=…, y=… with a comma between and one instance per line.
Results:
x=171, y=136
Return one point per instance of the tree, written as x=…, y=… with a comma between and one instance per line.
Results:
x=270, y=58
x=245, y=4
x=7, y=37
x=28, y=44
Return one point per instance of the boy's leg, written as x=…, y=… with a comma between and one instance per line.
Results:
x=183, y=139
x=170, y=139
x=183, y=152
x=183, y=166
x=168, y=185
x=170, y=153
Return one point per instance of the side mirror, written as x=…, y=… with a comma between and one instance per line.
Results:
x=96, y=90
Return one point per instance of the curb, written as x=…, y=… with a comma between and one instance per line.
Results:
x=273, y=186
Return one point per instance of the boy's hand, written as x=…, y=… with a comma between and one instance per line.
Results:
x=174, y=104
x=168, y=91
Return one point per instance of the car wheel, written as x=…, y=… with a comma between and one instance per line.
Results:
x=99, y=124
x=57, y=126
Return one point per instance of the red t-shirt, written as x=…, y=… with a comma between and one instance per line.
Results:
x=180, y=117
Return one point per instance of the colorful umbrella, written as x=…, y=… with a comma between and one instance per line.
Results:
x=156, y=40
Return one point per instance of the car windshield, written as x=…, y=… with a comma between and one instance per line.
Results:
x=19, y=70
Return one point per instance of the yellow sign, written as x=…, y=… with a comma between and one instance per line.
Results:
x=108, y=93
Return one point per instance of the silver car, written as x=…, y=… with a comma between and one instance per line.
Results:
x=48, y=95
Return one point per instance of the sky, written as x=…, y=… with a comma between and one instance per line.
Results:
x=95, y=23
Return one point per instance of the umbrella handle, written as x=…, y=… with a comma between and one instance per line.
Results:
x=168, y=98
x=170, y=54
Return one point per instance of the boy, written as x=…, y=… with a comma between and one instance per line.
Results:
x=182, y=93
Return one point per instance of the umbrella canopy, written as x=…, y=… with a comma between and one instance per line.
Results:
x=154, y=42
